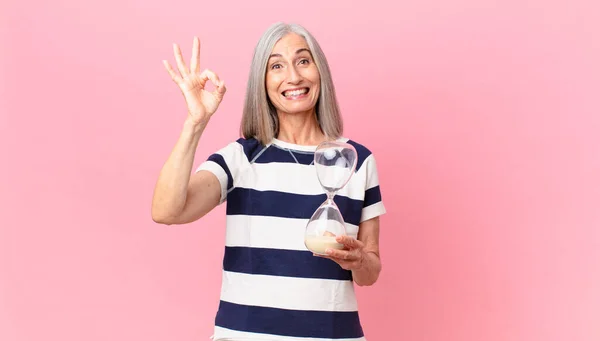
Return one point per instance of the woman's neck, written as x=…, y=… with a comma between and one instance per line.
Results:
x=300, y=129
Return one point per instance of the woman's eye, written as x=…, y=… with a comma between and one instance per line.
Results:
x=304, y=61
x=275, y=66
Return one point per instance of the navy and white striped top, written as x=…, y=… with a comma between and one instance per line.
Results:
x=273, y=288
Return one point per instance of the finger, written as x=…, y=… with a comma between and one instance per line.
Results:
x=174, y=76
x=344, y=264
x=195, y=62
x=214, y=78
x=221, y=89
x=209, y=75
x=183, y=70
x=349, y=242
x=327, y=257
x=340, y=262
x=342, y=255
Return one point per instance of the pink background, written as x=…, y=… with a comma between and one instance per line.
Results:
x=483, y=117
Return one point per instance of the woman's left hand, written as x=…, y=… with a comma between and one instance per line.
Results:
x=351, y=258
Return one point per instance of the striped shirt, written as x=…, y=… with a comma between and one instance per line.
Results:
x=273, y=288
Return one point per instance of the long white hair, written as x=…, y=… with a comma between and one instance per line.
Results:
x=259, y=118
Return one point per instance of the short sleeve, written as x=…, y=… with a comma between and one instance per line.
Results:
x=225, y=164
x=372, y=203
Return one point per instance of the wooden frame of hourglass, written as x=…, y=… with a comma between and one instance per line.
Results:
x=335, y=163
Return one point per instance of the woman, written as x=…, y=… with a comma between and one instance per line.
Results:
x=273, y=288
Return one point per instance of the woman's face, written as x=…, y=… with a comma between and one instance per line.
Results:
x=293, y=80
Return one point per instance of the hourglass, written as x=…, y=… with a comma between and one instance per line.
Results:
x=335, y=163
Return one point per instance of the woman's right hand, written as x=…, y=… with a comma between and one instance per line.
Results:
x=201, y=103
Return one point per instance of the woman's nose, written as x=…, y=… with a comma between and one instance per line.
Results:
x=294, y=76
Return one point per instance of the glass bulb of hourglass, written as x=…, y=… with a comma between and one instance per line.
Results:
x=335, y=163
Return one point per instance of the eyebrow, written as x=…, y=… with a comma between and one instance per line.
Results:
x=297, y=52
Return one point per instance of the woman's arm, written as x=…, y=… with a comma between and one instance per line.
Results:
x=368, y=271
x=179, y=197
x=362, y=254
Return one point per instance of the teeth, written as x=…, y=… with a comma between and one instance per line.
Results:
x=295, y=92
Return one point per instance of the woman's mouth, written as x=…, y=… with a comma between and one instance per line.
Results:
x=295, y=93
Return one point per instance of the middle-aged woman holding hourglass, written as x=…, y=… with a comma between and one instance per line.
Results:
x=273, y=288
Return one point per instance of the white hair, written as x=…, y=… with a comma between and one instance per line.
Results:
x=259, y=118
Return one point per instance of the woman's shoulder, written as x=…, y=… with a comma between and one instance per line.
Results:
x=248, y=142
x=250, y=147
x=362, y=151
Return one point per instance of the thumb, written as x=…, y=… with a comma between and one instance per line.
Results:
x=350, y=242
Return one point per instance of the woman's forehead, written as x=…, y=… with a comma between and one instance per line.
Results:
x=290, y=44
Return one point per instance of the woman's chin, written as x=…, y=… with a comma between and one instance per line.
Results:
x=298, y=110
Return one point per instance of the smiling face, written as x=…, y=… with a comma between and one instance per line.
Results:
x=292, y=80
